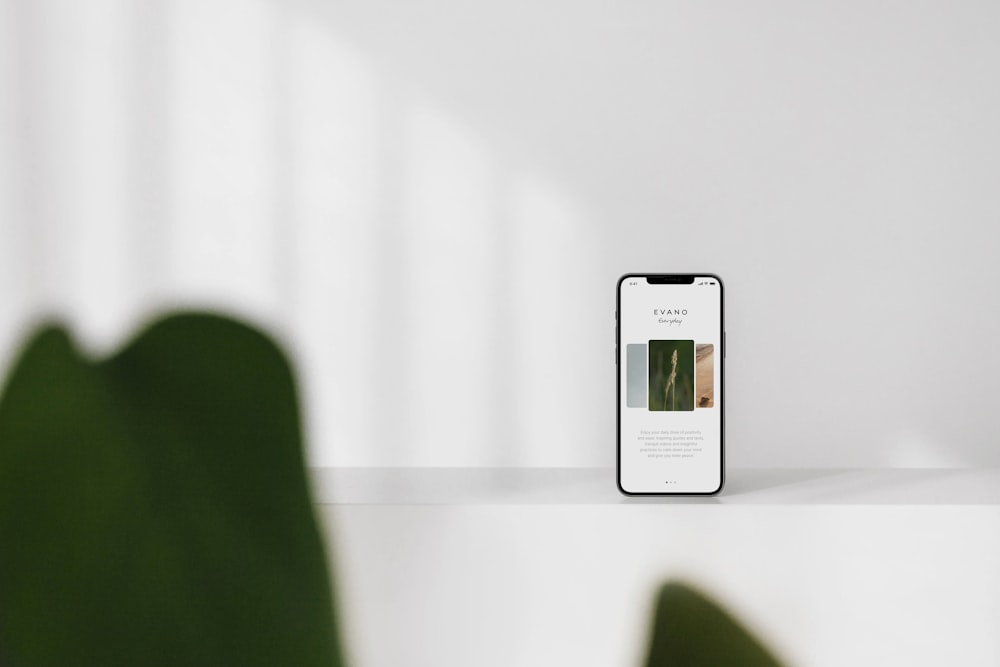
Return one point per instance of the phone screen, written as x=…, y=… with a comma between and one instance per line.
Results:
x=670, y=374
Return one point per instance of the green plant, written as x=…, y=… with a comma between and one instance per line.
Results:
x=154, y=507
x=690, y=630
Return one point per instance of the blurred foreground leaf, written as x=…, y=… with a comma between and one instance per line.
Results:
x=690, y=630
x=154, y=508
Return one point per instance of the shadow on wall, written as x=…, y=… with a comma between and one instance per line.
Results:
x=429, y=201
x=242, y=155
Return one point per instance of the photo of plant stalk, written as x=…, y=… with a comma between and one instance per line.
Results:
x=671, y=375
x=672, y=383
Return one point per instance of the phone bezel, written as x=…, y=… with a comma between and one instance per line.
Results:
x=722, y=386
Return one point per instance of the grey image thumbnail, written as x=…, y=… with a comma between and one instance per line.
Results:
x=635, y=375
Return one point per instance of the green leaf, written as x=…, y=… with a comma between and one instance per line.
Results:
x=689, y=630
x=154, y=507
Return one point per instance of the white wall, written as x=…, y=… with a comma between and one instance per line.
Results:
x=430, y=201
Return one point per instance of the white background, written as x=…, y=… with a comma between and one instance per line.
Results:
x=431, y=201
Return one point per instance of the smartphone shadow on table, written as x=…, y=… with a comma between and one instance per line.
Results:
x=746, y=481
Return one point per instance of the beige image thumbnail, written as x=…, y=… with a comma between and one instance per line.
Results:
x=704, y=382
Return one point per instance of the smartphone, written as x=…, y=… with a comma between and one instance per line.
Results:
x=670, y=350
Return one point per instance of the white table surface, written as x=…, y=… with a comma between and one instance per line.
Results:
x=596, y=486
